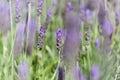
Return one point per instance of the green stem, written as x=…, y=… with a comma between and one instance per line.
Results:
x=11, y=25
x=55, y=73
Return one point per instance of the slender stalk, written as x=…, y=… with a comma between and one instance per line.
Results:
x=11, y=25
x=55, y=73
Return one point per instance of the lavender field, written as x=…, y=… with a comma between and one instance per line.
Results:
x=59, y=39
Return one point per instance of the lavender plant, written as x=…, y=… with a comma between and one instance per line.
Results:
x=94, y=72
x=30, y=36
x=18, y=44
x=41, y=38
x=5, y=22
x=23, y=70
x=39, y=9
x=85, y=48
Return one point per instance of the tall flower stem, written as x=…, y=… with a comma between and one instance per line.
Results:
x=55, y=73
x=11, y=25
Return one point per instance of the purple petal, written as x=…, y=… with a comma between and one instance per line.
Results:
x=19, y=38
x=69, y=6
x=94, y=72
x=23, y=70
x=107, y=28
x=97, y=42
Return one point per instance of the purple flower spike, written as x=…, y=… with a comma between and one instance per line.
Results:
x=47, y=18
x=82, y=12
x=41, y=38
x=30, y=36
x=39, y=8
x=23, y=70
x=69, y=6
x=117, y=17
x=60, y=73
x=92, y=4
x=94, y=72
x=107, y=28
x=102, y=12
x=4, y=17
x=17, y=10
x=19, y=38
x=54, y=6
x=59, y=36
x=89, y=16
x=78, y=73
x=97, y=42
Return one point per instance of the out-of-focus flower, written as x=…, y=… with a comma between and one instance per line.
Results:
x=39, y=8
x=94, y=72
x=117, y=17
x=20, y=10
x=17, y=11
x=30, y=37
x=85, y=14
x=23, y=70
x=54, y=6
x=4, y=22
x=41, y=37
x=92, y=4
x=107, y=28
x=102, y=12
x=89, y=16
x=72, y=39
x=82, y=12
x=69, y=6
x=97, y=42
x=60, y=73
x=78, y=73
x=18, y=45
x=59, y=36
x=47, y=20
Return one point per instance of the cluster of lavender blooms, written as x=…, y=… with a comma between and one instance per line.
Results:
x=23, y=70
x=43, y=30
x=60, y=37
x=106, y=30
x=19, y=38
x=4, y=22
x=25, y=29
x=39, y=9
x=67, y=39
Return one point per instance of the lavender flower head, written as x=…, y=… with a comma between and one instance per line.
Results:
x=107, y=28
x=82, y=12
x=78, y=73
x=102, y=12
x=60, y=73
x=92, y=4
x=39, y=8
x=54, y=5
x=94, y=72
x=17, y=10
x=19, y=38
x=30, y=36
x=59, y=36
x=69, y=6
x=41, y=38
x=97, y=42
x=89, y=16
x=47, y=18
x=23, y=70
x=117, y=17
x=4, y=22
